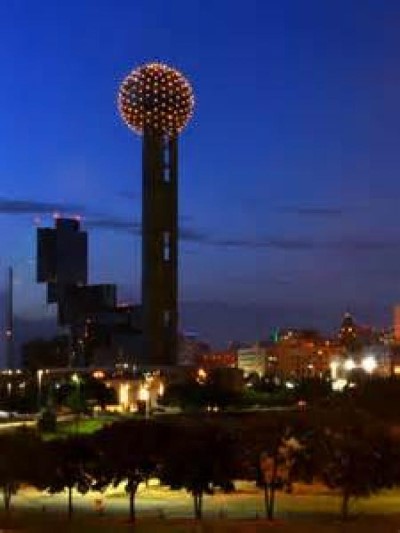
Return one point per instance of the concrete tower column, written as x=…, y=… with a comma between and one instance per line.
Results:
x=159, y=247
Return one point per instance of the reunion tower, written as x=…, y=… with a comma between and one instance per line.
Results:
x=157, y=101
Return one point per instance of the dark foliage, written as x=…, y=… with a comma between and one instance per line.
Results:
x=201, y=458
x=67, y=464
x=18, y=461
x=127, y=451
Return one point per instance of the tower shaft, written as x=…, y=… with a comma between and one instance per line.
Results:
x=160, y=248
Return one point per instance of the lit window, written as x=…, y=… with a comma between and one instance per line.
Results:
x=167, y=245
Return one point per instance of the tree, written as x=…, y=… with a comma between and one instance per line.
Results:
x=313, y=390
x=127, y=451
x=47, y=421
x=67, y=464
x=271, y=448
x=350, y=453
x=199, y=458
x=96, y=391
x=187, y=396
x=377, y=396
x=18, y=452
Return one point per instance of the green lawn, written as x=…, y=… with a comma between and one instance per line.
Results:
x=83, y=426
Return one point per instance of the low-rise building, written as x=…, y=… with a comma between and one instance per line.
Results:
x=217, y=359
x=252, y=360
x=301, y=359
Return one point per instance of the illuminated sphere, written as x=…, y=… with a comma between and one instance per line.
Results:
x=156, y=97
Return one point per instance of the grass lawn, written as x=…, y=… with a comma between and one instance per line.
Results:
x=310, y=509
x=79, y=524
x=84, y=426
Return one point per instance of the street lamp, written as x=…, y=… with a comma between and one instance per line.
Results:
x=369, y=364
x=39, y=375
x=349, y=365
x=76, y=380
x=144, y=397
x=334, y=366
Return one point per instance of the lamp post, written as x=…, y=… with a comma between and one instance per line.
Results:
x=161, y=389
x=39, y=375
x=76, y=380
x=144, y=397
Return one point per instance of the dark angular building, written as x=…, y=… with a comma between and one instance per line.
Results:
x=79, y=302
x=62, y=256
x=100, y=329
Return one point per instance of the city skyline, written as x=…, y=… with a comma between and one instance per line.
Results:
x=288, y=182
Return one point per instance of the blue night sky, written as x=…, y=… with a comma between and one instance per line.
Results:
x=289, y=170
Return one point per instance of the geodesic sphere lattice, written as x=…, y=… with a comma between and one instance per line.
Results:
x=156, y=97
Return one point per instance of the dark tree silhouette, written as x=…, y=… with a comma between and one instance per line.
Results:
x=200, y=458
x=270, y=449
x=349, y=451
x=67, y=464
x=127, y=451
x=18, y=452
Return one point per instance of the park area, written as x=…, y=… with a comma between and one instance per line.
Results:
x=75, y=478
x=159, y=510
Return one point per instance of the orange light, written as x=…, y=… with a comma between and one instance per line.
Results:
x=153, y=81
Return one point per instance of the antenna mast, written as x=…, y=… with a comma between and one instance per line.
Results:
x=10, y=321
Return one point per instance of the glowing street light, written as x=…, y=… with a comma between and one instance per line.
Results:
x=369, y=364
x=201, y=376
x=349, y=365
x=144, y=394
x=144, y=397
x=75, y=379
x=39, y=375
x=334, y=365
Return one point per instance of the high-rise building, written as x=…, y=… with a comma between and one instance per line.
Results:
x=348, y=335
x=157, y=102
x=79, y=302
x=61, y=256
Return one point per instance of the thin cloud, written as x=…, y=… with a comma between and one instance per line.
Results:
x=363, y=245
x=311, y=211
x=350, y=245
x=32, y=207
x=281, y=244
x=113, y=223
x=192, y=235
x=134, y=227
